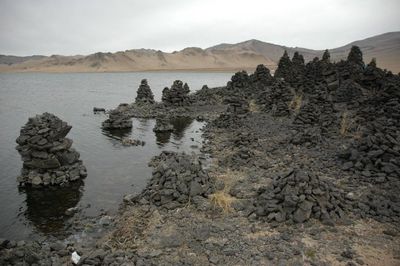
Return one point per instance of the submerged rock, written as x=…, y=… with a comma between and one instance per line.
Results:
x=47, y=155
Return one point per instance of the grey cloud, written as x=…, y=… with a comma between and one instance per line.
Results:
x=82, y=27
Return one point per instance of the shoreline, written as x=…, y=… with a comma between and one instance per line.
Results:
x=293, y=179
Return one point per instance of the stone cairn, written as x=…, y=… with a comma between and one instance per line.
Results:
x=298, y=196
x=144, y=93
x=237, y=109
x=276, y=99
x=176, y=178
x=47, y=154
x=376, y=154
x=178, y=95
x=118, y=118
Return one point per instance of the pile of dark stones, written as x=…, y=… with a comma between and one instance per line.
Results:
x=298, y=196
x=144, y=93
x=237, y=106
x=348, y=91
x=376, y=154
x=276, y=99
x=177, y=95
x=317, y=111
x=176, y=178
x=237, y=109
x=206, y=96
x=47, y=154
x=118, y=118
x=261, y=78
x=239, y=83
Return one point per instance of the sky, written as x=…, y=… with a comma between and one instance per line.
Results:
x=73, y=27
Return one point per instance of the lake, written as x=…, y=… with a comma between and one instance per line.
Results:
x=113, y=169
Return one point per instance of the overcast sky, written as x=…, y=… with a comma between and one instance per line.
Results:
x=85, y=26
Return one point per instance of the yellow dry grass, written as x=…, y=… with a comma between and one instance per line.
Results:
x=253, y=107
x=345, y=123
x=296, y=102
x=222, y=200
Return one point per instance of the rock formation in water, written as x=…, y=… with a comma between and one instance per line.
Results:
x=177, y=95
x=144, y=93
x=46, y=152
x=118, y=118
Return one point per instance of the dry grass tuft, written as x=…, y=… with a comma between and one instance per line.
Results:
x=345, y=124
x=253, y=107
x=296, y=102
x=222, y=200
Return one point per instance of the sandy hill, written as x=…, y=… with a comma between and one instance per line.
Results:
x=223, y=57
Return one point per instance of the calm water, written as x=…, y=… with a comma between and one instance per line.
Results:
x=113, y=169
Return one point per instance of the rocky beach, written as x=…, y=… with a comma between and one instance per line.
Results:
x=304, y=170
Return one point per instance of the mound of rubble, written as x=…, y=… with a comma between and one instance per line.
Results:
x=176, y=178
x=177, y=95
x=144, y=93
x=46, y=152
x=118, y=118
x=376, y=153
x=298, y=196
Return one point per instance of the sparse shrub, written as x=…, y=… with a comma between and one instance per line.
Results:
x=222, y=200
x=310, y=253
x=345, y=123
x=296, y=102
x=253, y=107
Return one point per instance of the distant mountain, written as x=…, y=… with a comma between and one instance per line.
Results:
x=223, y=57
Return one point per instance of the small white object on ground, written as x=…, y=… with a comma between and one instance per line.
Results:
x=75, y=257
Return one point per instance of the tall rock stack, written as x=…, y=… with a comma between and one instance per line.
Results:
x=144, y=93
x=276, y=99
x=261, y=78
x=284, y=67
x=118, y=118
x=240, y=83
x=46, y=152
x=177, y=95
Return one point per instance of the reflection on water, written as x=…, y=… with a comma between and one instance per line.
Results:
x=180, y=124
x=117, y=134
x=45, y=208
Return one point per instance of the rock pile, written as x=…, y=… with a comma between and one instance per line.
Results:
x=144, y=93
x=176, y=178
x=178, y=95
x=348, y=91
x=317, y=111
x=298, y=196
x=261, y=78
x=118, y=118
x=237, y=106
x=276, y=99
x=239, y=83
x=46, y=152
x=284, y=67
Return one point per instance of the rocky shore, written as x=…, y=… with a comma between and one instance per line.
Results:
x=305, y=171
